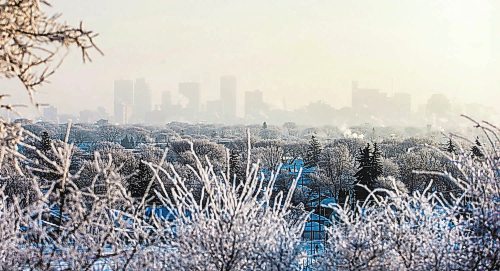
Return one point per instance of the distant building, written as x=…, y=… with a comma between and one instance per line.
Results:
x=375, y=106
x=50, y=114
x=255, y=108
x=123, y=100
x=228, y=98
x=142, y=100
x=367, y=100
x=191, y=90
x=166, y=101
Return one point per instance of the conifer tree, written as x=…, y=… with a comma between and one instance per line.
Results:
x=125, y=142
x=376, y=163
x=369, y=169
x=140, y=181
x=476, y=149
x=236, y=173
x=364, y=160
x=450, y=146
x=313, y=153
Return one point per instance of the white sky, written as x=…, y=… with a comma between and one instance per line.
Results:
x=297, y=51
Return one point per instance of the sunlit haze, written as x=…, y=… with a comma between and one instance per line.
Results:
x=295, y=52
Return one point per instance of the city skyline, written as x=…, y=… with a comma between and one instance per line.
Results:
x=290, y=50
x=176, y=98
x=132, y=99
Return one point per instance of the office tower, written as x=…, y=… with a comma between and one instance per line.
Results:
x=166, y=101
x=191, y=91
x=254, y=105
x=228, y=97
x=50, y=114
x=366, y=100
x=123, y=100
x=142, y=100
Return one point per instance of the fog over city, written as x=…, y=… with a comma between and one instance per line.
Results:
x=299, y=54
x=260, y=135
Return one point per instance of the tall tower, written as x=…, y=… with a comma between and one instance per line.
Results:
x=166, y=100
x=254, y=105
x=191, y=90
x=123, y=100
x=228, y=97
x=142, y=100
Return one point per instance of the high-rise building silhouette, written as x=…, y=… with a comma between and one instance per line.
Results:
x=123, y=100
x=254, y=105
x=376, y=105
x=142, y=100
x=166, y=101
x=367, y=100
x=228, y=98
x=191, y=90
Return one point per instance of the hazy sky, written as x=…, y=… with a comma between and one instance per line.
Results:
x=294, y=51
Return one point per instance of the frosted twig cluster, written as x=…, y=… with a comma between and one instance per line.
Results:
x=423, y=231
x=30, y=41
x=101, y=227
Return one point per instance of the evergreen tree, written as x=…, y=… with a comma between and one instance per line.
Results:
x=313, y=153
x=364, y=168
x=476, y=149
x=376, y=163
x=450, y=146
x=364, y=174
x=125, y=142
x=235, y=169
x=140, y=181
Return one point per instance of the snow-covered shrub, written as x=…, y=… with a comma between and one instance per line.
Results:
x=391, y=183
x=241, y=227
x=66, y=225
x=423, y=231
